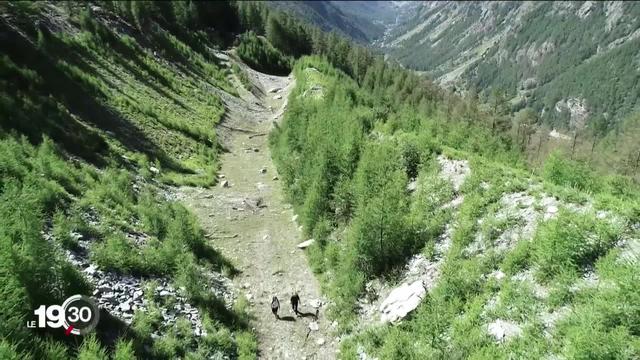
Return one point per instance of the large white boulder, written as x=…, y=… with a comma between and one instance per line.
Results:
x=401, y=301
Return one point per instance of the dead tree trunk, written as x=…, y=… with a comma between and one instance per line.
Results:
x=573, y=143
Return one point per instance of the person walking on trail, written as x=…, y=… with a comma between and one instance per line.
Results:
x=295, y=300
x=275, y=305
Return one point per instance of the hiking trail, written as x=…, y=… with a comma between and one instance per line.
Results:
x=250, y=224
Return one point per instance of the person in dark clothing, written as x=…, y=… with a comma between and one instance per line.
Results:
x=275, y=305
x=295, y=300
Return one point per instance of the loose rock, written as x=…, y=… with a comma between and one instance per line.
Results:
x=402, y=300
x=306, y=244
x=455, y=171
x=503, y=330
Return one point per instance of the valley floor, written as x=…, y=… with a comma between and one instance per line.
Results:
x=250, y=223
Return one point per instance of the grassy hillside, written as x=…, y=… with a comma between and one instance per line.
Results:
x=100, y=107
x=549, y=253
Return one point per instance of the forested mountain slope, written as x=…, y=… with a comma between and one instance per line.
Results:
x=363, y=21
x=552, y=75
x=434, y=224
x=573, y=62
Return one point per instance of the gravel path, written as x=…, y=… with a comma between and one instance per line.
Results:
x=250, y=223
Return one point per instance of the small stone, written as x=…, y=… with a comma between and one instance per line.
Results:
x=263, y=171
x=125, y=307
x=320, y=342
x=412, y=186
x=313, y=326
x=224, y=184
x=91, y=270
x=274, y=178
x=498, y=275
x=154, y=169
x=164, y=293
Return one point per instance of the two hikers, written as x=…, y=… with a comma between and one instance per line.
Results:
x=295, y=301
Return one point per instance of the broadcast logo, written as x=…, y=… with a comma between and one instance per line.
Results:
x=78, y=315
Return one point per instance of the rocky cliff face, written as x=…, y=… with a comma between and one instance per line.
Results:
x=541, y=53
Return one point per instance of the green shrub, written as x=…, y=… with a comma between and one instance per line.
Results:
x=570, y=242
x=247, y=346
x=145, y=323
x=118, y=254
x=587, y=337
x=9, y=351
x=55, y=350
x=91, y=350
x=517, y=259
x=124, y=351
x=565, y=172
x=62, y=228
x=219, y=338
x=114, y=194
x=517, y=302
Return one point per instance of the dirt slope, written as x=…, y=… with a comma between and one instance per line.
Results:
x=253, y=226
